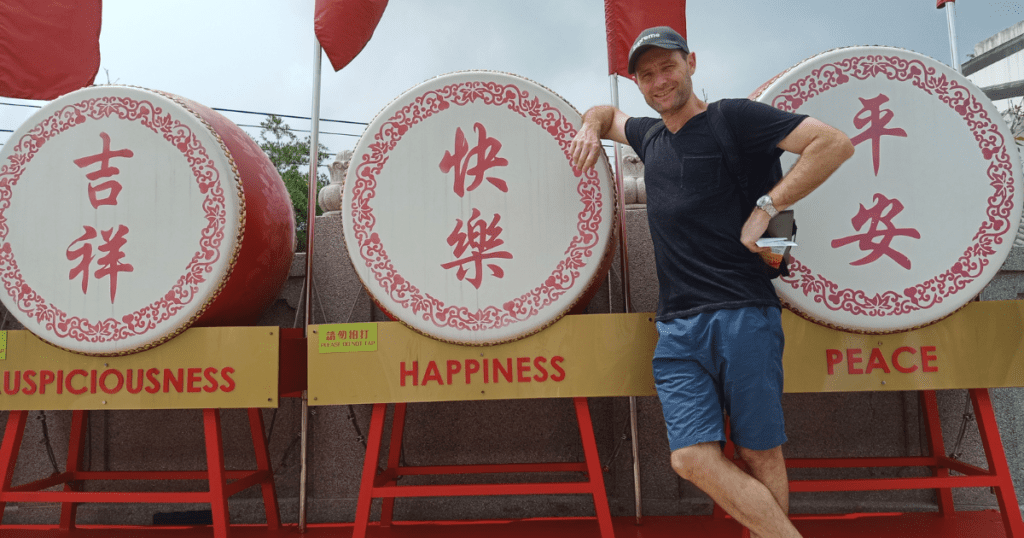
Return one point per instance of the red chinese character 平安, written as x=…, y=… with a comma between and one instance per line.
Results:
x=873, y=115
x=877, y=240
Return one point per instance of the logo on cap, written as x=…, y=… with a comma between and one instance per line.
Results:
x=642, y=40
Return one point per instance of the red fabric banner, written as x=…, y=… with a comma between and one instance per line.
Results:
x=939, y=4
x=48, y=47
x=625, y=19
x=343, y=27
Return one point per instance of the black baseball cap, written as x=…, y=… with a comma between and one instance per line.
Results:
x=660, y=36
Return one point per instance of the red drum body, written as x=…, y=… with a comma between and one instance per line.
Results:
x=921, y=218
x=128, y=215
x=464, y=217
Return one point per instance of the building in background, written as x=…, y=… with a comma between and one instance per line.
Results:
x=997, y=67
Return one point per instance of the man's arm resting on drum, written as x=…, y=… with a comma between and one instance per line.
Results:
x=822, y=149
x=602, y=121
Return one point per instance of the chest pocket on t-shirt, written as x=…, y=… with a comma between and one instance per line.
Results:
x=703, y=175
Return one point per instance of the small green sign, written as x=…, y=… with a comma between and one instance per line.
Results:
x=3, y=345
x=347, y=337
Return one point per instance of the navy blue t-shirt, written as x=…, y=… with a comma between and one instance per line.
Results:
x=696, y=211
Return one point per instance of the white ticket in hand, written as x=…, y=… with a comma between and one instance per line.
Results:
x=775, y=242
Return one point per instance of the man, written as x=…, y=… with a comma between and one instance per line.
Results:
x=719, y=320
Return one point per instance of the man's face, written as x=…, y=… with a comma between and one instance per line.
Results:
x=663, y=76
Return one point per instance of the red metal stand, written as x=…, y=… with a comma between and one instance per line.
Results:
x=997, y=476
x=223, y=483
x=384, y=486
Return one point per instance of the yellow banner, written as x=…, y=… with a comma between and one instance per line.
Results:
x=211, y=367
x=981, y=346
x=592, y=355
x=610, y=355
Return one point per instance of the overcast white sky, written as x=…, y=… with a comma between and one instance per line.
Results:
x=257, y=55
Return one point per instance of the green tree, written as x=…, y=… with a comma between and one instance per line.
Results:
x=291, y=157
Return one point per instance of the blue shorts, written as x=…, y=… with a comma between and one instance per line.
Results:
x=723, y=360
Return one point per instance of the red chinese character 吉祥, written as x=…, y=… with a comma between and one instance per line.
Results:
x=882, y=213
x=112, y=188
x=480, y=237
x=873, y=115
x=110, y=262
x=486, y=153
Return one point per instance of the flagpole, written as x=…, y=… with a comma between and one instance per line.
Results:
x=314, y=161
x=951, y=23
x=626, y=296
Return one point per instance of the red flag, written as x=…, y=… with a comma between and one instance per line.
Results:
x=939, y=4
x=625, y=19
x=48, y=47
x=343, y=27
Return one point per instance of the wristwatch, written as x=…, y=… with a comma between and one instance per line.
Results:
x=764, y=203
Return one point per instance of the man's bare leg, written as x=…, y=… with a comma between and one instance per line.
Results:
x=740, y=494
x=769, y=468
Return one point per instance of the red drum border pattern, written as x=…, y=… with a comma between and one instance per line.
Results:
x=185, y=289
x=973, y=261
x=406, y=293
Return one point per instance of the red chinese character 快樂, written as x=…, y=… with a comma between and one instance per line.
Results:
x=877, y=119
x=486, y=153
x=881, y=213
x=112, y=188
x=481, y=238
x=110, y=262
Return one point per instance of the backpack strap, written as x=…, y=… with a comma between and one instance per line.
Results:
x=730, y=152
x=650, y=133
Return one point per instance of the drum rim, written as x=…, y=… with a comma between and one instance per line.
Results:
x=215, y=282
x=602, y=264
x=1014, y=218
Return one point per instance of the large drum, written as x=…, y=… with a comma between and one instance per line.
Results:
x=922, y=217
x=128, y=215
x=465, y=219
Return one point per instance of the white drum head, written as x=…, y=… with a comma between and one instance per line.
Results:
x=120, y=218
x=921, y=218
x=463, y=215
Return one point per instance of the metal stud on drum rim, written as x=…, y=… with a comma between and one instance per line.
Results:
x=464, y=218
x=918, y=222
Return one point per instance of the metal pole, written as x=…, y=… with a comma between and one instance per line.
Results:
x=626, y=297
x=314, y=161
x=951, y=23
x=621, y=205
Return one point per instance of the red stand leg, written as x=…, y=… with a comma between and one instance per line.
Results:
x=76, y=444
x=373, y=438
x=604, y=515
x=13, y=434
x=385, y=485
x=259, y=444
x=933, y=425
x=215, y=469
x=387, y=509
x=997, y=465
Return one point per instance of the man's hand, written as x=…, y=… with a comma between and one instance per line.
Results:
x=753, y=229
x=599, y=122
x=585, y=148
